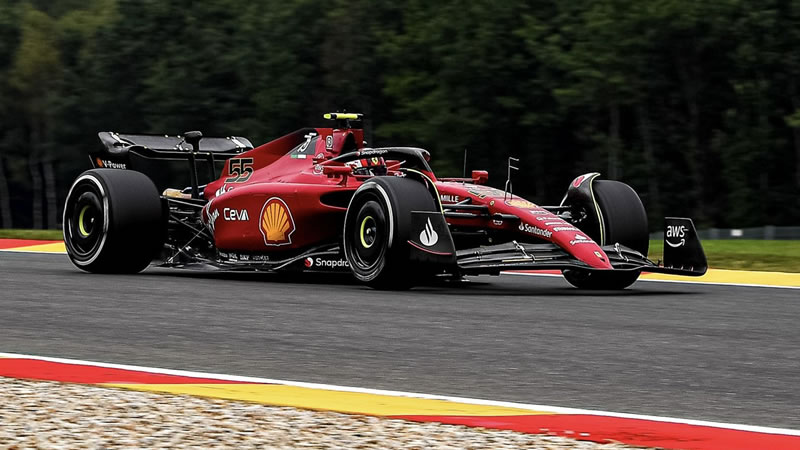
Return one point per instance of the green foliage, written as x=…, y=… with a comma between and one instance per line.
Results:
x=39, y=235
x=743, y=254
x=695, y=104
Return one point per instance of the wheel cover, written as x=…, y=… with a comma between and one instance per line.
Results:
x=367, y=241
x=368, y=233
x=82, y=222
x=85, y=221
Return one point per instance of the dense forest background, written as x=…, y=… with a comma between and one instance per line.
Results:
x=694, y=103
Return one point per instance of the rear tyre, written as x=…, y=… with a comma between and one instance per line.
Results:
x=377, y=229
x=624, y=221
x=113, y=221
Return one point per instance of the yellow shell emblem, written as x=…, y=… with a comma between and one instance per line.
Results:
x=277, y=224
x=520, y=203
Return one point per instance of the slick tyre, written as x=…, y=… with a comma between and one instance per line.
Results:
x=624, y=221
x=113, y=221
x=377, y=228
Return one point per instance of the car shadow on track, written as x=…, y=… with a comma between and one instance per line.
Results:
x=483, y=289
x=262, y=277
x=469, y=287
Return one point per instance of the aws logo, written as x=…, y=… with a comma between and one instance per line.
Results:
x=676, y=231
x=277, y=224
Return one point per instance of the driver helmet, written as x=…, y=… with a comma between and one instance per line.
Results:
x=368, y=166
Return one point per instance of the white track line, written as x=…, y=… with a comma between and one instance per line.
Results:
x=473, y=401
x=713, y=283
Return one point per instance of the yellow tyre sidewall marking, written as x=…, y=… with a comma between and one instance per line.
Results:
x=363, y=225
x=81, y=227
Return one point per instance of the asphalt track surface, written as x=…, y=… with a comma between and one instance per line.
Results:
x=706, y=352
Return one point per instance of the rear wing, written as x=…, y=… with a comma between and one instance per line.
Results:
x=118, y=147
x=145, y=153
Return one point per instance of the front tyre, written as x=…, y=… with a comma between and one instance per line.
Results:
x=377, y=230
x=113, y=221
x=624, y=221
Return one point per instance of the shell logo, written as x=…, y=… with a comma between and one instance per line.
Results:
x=521, y=203
x=277, y=224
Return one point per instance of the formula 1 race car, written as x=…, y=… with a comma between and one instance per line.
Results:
x=318, y=200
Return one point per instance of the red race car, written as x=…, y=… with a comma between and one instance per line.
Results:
x=319, y=200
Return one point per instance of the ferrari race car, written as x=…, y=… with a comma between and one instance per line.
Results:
x=318, y=200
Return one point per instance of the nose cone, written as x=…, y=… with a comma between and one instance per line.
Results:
x=584, y=248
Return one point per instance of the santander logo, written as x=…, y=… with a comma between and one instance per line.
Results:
x=578, y=181
x=428, y=237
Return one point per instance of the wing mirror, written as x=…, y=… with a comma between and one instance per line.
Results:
x=333, y=171
x=480, y=176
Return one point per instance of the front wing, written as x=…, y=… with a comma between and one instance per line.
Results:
x=517, y=256
x=683, y=255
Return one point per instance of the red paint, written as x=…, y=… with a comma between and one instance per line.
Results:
x=428, y=250
x=535, y=222
x=16, y=243
x=647, y=433
x=586, y=427
x=33, y=369
x=299, y=171
x=547, y=272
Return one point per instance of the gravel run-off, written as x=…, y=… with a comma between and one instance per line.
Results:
x=48, y=415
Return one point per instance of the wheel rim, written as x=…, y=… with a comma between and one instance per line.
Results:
x=368, y=232
x=84, y=221
x=367, y=242
x=83, y=228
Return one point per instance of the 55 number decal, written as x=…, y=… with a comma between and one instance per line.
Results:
x=239, y=170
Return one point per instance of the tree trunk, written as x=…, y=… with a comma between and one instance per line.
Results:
x=653, y=194
x=36, y=188
x=6, y=220
x=538, y=169
x=36, y=177
x=795, y=130
x=50, y=194
x=694, y=155
x=369, y=136
x=613, y=141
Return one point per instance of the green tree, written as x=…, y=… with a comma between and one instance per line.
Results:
x=34, y=77
x=9, y=40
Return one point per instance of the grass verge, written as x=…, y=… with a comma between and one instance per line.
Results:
x=45, y=235
x=774, y=256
